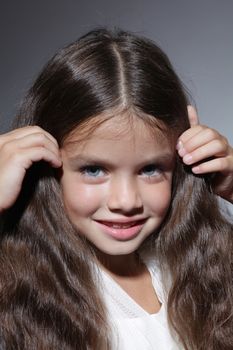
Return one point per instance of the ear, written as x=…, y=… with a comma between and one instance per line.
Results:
x=193, y=117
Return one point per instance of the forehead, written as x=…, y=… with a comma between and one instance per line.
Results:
x=130, y=128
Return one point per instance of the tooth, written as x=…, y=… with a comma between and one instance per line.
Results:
x=122, y=226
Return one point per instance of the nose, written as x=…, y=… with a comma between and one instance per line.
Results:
x=124, y=195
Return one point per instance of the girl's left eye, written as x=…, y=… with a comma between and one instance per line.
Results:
x=151, y=170
x=92, y=171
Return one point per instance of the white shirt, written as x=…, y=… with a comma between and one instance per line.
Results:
x=133, y=328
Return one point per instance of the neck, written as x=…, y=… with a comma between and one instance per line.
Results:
x=120, y=265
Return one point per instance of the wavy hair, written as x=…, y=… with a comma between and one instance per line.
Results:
x=48, y=293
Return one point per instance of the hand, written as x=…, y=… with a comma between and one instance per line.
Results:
x=19, y=149
x=207, y=151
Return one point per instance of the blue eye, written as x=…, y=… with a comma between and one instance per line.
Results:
x=92, y=171
x=151, y=170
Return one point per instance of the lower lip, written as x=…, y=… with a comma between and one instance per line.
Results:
x=121, y=234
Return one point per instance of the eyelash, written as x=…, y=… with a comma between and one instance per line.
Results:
x=85, y=170
x=156, y=169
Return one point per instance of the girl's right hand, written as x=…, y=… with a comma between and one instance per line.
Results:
x=19, y=149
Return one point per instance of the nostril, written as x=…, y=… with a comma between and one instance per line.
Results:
x=124, y=203
x=124, y=195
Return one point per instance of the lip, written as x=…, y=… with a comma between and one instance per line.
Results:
x=121, y=230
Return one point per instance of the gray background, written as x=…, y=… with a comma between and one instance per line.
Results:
x=196, y=35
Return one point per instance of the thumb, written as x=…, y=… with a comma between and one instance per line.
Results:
x=192, y=115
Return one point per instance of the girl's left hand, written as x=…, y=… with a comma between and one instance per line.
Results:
x=207, y=151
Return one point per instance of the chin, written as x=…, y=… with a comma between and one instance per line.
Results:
x=119, y=248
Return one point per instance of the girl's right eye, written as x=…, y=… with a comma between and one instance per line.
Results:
x=94, y=171
x=151, y=170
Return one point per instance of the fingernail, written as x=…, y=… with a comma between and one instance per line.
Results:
x=187, y=159
x=180, y=148
x=182, y=151
x=179, y=145
x=196, y=169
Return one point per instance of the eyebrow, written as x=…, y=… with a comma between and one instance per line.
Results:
x=80, y=160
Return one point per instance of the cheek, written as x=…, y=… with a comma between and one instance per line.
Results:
x=159, y=198
x=81, y=199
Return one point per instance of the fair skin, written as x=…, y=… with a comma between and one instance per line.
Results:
x=123, y=174
x=20, y=148
x=126, y=173
x=201, y=142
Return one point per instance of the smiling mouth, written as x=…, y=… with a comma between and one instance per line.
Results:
x=121, y=230
x=119, y=225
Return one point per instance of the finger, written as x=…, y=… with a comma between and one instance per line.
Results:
x=24, y=131
x=187, y=134
x=213, y=148
x=26, y=157
x=37, y=139
x=192, y=115
x=30, y=141
x=224, y=164
x=205, y=136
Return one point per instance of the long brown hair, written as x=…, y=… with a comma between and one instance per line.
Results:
x=48, y=293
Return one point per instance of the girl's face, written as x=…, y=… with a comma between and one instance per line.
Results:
x=116, y=183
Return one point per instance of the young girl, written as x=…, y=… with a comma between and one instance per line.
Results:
x=111, y=235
